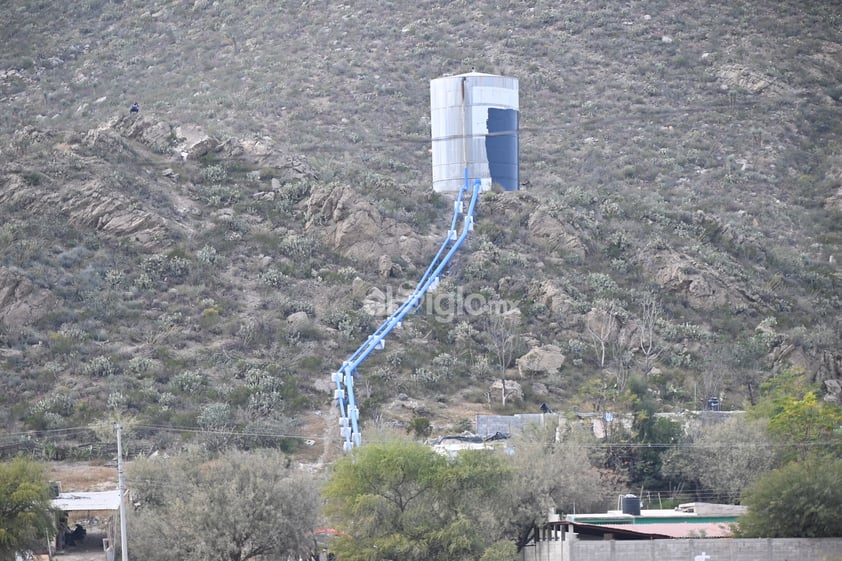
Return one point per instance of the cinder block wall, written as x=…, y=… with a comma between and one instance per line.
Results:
x=778, y=549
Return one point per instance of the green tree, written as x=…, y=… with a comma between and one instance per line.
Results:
x=651, y=437
x=806, y=423
x=501, y=551
x=799, y=500
x=401, y=500
x=776, y=391
x=233, y=507
x=548, y=470
x=26, y=514
x=420, y=427
x=724, y=459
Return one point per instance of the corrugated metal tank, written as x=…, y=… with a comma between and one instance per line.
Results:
x=474, y=122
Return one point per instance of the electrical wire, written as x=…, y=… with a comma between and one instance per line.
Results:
x=225, y=432
x=564, y=445
x=574, y=121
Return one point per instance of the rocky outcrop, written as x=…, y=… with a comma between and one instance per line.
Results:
x=21, y=302
x=555, y=235
x=150, y=131
x=554, y=297
x=833, y=391
x=91, y=204
x=830, y=366
x=192, y=142
x=703, y=289
x=737, y=76
x=355, y=228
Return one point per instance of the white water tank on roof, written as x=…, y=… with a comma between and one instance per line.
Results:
x=474, y=121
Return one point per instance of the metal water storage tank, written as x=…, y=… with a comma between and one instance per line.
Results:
x=474, y=121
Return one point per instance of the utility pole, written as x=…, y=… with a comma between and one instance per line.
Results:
x=121, y=487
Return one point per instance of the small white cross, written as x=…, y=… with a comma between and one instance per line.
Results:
x=703, y=557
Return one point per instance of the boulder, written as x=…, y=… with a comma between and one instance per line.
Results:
x=833, y=389
x=298, y=321
x=21, y=302
x=555, y=298
x=387, y=268
x=375, y=303
x=513, y=390
x=544, y=360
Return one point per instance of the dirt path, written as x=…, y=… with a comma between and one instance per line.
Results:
x=90, y=549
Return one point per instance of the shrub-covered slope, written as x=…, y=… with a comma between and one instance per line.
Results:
x=206, y=263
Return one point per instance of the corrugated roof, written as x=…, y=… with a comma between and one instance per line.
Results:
x=664, y=530
x=88, y=500
x=676, y=529
x=617, y=531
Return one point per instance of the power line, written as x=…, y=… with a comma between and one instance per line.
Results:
x=44, y=431
x=66, y=432
x=572, y=123
x=226, y=432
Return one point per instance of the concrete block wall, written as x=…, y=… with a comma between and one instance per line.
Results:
x=779, y=549
x=488, y=425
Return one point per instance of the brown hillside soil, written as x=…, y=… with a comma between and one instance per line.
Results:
x=81, y=476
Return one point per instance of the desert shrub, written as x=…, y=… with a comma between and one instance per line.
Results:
x=602, y=284
x=266, y=392
x=291, y=194
x=189, y=381
x=495, y=233
x=577, y=347
x=143, y=281
x=214, y=416
x=274, y=277
x=219, y=196
x=207, y=255
x=349, y=323
x=269, y=433
x=116, y=400
x=445, y=363
x=288, y=307
x=343, y=275
x=578, y=197
x=214, y=173
x=216, y=419
x=64, y=340
x=101, y=367
x=60, y=404
x=141, y=366
x=161, y=267
x=50, y=412
x=298, y=247
x=311, y=363
x=677, y=332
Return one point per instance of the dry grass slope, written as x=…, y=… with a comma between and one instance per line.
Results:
x=686, y=150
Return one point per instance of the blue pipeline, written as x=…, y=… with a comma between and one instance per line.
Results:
x=344, y=377
x=388, y=325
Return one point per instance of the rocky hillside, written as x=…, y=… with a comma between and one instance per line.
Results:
x=204, y=264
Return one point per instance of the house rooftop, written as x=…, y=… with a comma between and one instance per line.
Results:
x=662, y=530
x=695, y=513
x=87, y=501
